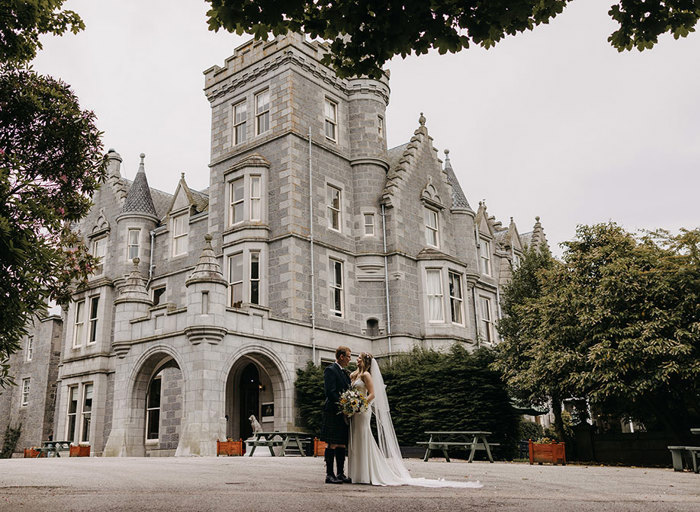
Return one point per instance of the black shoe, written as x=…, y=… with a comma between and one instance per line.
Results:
x=331, y=479
x=344, y=479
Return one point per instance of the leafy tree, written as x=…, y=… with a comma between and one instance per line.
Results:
x=534, y=376
x=50, y=163
x=23, y=21
x=366, y=34
x=617, y=322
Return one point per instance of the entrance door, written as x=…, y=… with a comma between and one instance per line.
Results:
x=249, y=398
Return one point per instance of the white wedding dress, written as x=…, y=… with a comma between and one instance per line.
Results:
x=381, y=464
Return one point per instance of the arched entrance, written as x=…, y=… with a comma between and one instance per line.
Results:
x=157, y=406
x=254, y=387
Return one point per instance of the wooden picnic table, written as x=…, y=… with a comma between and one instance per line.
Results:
x=55, y=447
x=473, y=439
x=270, y=440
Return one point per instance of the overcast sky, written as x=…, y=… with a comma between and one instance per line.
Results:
x=554, y=122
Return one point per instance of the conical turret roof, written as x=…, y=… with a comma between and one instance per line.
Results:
x=139, y=199
x=207, y=269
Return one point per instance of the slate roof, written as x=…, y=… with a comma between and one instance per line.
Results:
x=459, y=200
x=139, y=199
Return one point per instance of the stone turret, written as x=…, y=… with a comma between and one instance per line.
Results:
x=137, y=219
x=133, y=302
x=206, y=299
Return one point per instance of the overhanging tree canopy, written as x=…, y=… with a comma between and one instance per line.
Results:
x=365, y=34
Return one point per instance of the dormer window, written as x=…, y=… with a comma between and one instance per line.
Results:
x=180, y=229
x=432, y=227
x=485, y=256
x=99, y=251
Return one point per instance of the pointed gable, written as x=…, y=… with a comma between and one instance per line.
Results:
x=185, y=197
x=403, y=163
x=482, y=221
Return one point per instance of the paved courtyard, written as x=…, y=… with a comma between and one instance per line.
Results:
x=296, y=484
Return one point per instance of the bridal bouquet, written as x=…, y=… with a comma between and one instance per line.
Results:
x=352, y=401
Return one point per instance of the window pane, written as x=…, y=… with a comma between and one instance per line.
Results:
x=254, y=265
x=154, y=394
x=434, y=282
x=236, y=271
x=157, y=295
x=240, y=113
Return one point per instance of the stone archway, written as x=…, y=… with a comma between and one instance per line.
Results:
x=255, y=385
x=156, y=404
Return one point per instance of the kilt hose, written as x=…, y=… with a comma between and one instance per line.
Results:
x=334, y=429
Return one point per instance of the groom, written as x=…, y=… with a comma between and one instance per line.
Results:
x=335, y=429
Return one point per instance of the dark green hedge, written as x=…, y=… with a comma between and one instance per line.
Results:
x=430, y=390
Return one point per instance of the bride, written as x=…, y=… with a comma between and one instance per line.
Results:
x=381, y=464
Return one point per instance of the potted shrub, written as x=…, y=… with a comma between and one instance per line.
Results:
x=547, y=450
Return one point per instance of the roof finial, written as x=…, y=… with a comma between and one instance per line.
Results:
x=511, y=220
x=421, y=119
x=447, y=154
x=141, y=165
x=182, y=175
x=537, y=219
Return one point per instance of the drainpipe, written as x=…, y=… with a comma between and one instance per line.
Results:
x=476, y=318
x=386, y=282
x=311, y=245
x=150, y=262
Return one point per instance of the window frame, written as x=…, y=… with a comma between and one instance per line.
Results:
x=485, y=256
x=430, y=230
x=487, y=321
x=251, y=279
x=243, y=125
x=130, y=245
x=254, y=199
x=29, y=351
x=381, y=129
x=92, y=320
x=72, y=417
x=262, y=114
x=79, y=323
x=336, y=290
x=180, y=238
x=86, y=412
x=330, y=121
x=160, y=295
x=331, y=210
x=234, y=201
x=26, y=383
x=455, y=298
x=232, y=283
x=440, y=295
x=100, y=266
x=365, y=225
x=150, y=410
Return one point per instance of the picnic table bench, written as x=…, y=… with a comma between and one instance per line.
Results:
x=693, y=451
x=53, y=447
x=444, y=440
x=270, y=439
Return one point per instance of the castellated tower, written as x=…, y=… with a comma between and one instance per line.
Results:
x=278, y=117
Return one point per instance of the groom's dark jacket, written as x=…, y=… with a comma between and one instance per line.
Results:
x=335, y=381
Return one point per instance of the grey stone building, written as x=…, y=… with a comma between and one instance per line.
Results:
x=311, y=234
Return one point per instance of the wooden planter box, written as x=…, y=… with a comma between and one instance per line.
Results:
x=31, y=453
x=229, y=448
x=79, y=451
x=319, y=447
x=553, y=453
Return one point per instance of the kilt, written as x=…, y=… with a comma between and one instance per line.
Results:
x=334, y=429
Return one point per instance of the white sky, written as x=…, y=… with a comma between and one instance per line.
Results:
x=554, y=122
